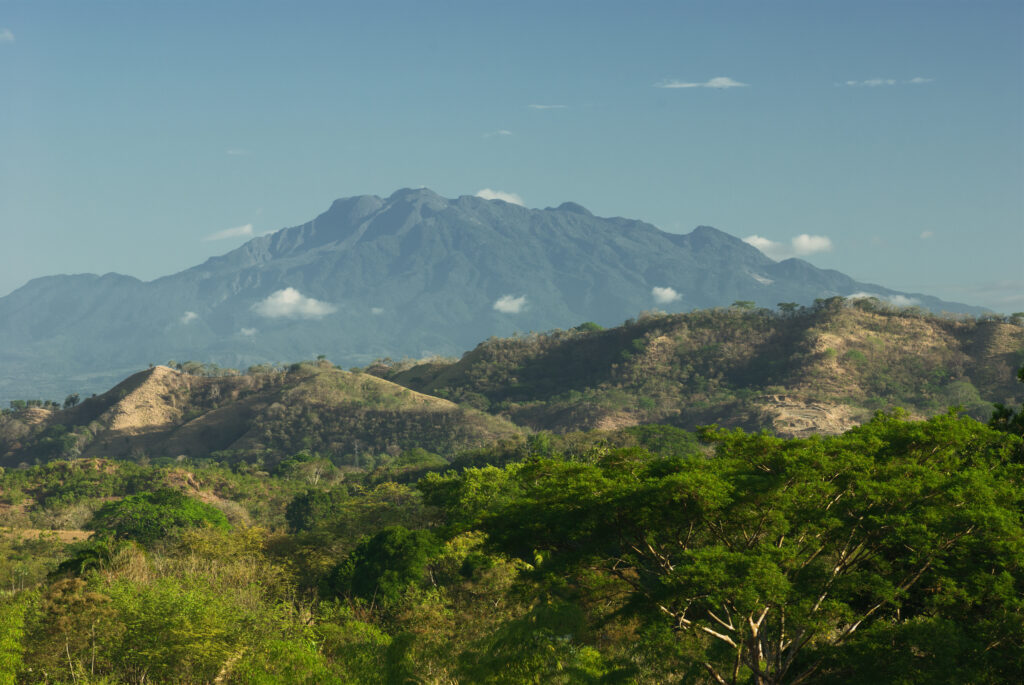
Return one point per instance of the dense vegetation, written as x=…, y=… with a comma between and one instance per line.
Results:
x=307, y=524
x=891, y=553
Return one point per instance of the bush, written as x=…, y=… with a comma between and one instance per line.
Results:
x=314, y=509
x=153, y=515
x=382, y=566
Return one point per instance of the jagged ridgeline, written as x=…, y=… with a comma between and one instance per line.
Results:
x=409, y=275
x=262, y=416
x=799, y=371
x=795, y=372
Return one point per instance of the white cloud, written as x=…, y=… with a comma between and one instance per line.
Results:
x=664, y=295
x=763, y=280
x=927, y=235
x=500, y=132
x=489, y=194
x=876, y=82
x=189, y=317
x=377, y=311
x=292, y=304
x=237, y=232
x=6, y=36
x=236, y=152
x=547, y=106
x=804, y=244
x=248, y=331
x=800, y=246
x=872, y=83
x=719, y=82
x=769, y=247
x=508, y=304
x=898, y=300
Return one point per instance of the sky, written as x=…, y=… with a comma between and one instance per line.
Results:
x=882, y=139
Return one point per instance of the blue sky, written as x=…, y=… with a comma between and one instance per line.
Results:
x=889, y=134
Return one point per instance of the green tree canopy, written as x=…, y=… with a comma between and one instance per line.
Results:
x=149, y=516
x=315, y=509
x=382, y=566
x=786, y=560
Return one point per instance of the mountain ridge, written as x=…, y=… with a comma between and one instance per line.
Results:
x=407, y=275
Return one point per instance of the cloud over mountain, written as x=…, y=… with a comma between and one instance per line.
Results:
x=290, y=303
x=664, y=295
x=509, y=304
x=802, y=245
x=489, y=194
x=237, y=232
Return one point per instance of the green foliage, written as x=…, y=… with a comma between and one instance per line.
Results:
x=1005, y=418
x=12, y=630
x=173, y=633
x=667, y=441
x=307, y=467
x=381, y=567
x=892, y=553
x=315, y=508
x=802, y=551
x=150, y=516
x=540, y=647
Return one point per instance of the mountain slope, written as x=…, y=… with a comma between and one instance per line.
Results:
x=261, y=417
x=410, y=275
x=820, y=369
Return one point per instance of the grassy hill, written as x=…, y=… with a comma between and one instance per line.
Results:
x=262, y=416
x=818, y=369
x=821, y=369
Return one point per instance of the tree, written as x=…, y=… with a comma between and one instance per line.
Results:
x=382, y=566
x=315, y=509
x=71, y=400
x=788, y=308
x=311, y=468
x=782, y=560
x=149, y=516
x=1005, y=418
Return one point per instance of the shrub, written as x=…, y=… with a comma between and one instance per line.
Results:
x=149, y=516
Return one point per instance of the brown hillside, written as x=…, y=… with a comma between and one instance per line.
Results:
x=162, y=412
x=821, y=369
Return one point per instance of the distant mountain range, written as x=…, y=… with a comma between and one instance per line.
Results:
x=411, y=275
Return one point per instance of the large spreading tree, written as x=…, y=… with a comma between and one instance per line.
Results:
x=890, y=553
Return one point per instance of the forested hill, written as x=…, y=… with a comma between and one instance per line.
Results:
x=795, y=371
x=406, y=275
